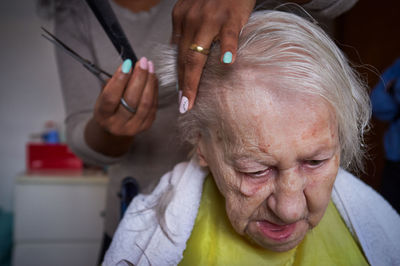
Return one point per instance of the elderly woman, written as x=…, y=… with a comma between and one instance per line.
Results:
x=273, y=135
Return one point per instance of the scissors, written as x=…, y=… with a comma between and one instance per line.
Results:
x=95, y=70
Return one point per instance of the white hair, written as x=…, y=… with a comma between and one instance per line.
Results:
x=305, y=55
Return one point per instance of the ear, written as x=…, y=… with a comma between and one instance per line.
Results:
x=200, y=153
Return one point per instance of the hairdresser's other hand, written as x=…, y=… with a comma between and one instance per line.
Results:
x=201, y=22
x=113, y=127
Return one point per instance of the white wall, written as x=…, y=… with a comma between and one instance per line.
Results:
x=30, y=93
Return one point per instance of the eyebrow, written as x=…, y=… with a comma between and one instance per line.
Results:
x=257, y=156
x=322, y=149
x=265, y=158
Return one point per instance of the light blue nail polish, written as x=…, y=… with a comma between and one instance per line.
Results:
x=126, y=66
x=227, y=59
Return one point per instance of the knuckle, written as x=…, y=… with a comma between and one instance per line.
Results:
x=102, y=123
x=211, y=17
x=177, y=12
x=111, y=129
x=100, y=115
x=131, y=130
x=108, y=98
x=190, y=60
x=216, y=12
x=147, y=104
x=231, y=33
x=192, y=17
x=115, y=130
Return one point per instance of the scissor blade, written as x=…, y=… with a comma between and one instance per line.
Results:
x=62, y=45
x=65, y=49
x=86, y=63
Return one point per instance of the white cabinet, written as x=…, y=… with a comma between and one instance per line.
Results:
x=58, y=219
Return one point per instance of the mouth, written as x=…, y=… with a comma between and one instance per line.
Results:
x=275, y=231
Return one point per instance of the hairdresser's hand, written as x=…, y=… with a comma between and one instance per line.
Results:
x=113, y=126
x=201, y=22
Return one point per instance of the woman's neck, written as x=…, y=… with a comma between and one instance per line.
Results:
x=137, y=6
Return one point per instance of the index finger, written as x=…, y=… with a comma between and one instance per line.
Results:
x=191, y=64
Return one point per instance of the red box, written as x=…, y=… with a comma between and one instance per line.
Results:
x=41, y=156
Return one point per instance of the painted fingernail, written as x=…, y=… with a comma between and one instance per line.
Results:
x=143, y=63
x=126, y=66
x=151, y=67
x=227, y=59
x=183, y=107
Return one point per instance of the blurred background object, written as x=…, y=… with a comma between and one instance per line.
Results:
x=47, y=150
x=30, y=91
x=385, y=98
x=52, y=218
x=369, y=34
x=6, y=220
x=58, y=218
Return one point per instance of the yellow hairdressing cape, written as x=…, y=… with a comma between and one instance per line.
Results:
x=214, y=242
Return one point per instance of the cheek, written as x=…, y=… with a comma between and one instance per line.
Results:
x=240, y=206
x=318, y=194
x=235, y=202
x=226, y=181
x=239, y=209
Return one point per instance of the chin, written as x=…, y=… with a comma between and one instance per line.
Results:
x=280, y=244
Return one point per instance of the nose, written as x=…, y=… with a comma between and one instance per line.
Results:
x=288, y=201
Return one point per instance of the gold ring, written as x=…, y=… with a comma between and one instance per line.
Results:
x=198, y=48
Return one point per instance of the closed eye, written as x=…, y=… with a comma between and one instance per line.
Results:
x=258, y=174
x=314, y=163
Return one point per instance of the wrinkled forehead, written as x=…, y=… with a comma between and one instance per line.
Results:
x=258, y=89
x=261, y=100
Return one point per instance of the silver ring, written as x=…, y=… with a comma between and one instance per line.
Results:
x=127, y=107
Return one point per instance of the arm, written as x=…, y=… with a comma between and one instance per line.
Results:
x=89, y=134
